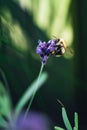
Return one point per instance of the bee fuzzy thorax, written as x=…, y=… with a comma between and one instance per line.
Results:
x=60, y=47
x=62, y=42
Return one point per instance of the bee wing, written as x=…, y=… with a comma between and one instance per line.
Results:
x=69, y=52
x=54, y=37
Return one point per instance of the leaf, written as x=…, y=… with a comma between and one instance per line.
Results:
x=5, y=102
x=65, y=119
x=76, y=120
x=58, y=128
x=28, y=93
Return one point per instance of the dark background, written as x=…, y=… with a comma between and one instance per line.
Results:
x=67, y=77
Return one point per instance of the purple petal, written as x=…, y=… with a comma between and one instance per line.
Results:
x=44, y=59
x=45, y=49
x=52, y=45
x=40, y=42
x=38, y=50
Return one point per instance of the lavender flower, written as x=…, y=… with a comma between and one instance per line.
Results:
x=45, y=49
x=33, y=121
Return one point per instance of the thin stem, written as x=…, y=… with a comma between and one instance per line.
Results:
x=30, y=103
x=5, y=80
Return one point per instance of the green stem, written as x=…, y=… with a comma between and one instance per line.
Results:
x=33, y=95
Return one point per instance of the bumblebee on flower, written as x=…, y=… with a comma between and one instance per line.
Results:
x=52, y=47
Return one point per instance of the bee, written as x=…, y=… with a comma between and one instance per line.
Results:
x=61, y=48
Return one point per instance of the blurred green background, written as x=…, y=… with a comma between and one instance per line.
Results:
x=22, y=23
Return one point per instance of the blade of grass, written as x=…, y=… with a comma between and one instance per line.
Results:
x=66, y=120
x=3, y=123
x=58, y=128
x=76, y=120
x=28, y=93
